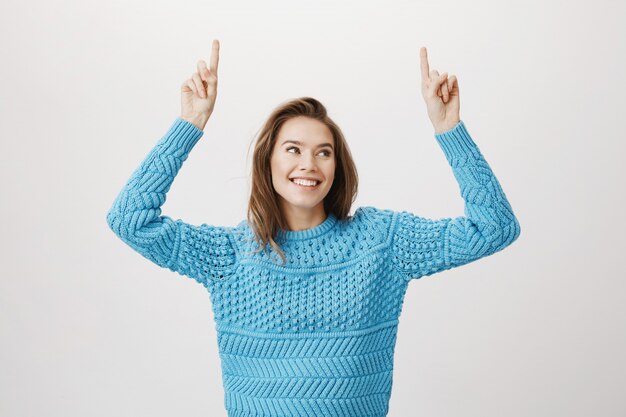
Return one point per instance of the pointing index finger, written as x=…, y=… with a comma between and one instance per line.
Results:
x=424, y=63
x=215, y=56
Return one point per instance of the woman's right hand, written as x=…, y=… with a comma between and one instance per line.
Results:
x=198, y=93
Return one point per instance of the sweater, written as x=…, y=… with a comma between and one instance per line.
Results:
x=316, y=336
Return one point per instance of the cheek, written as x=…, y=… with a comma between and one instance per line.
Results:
x=274, y=165
x=278, y=169
x=331, y=171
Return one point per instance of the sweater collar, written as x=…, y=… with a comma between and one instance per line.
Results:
x=318, y=230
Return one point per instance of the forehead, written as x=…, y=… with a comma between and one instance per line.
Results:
x=305, y=130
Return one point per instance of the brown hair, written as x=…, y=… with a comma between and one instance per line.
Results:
x=264, y=215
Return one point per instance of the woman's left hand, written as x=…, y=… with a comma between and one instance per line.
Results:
x=441, y=95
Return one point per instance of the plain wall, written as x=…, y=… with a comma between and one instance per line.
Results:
x=89, y=327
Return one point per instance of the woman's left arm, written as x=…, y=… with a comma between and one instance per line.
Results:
x=423, y=246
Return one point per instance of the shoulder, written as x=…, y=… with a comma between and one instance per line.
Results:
x=371, y=224
x=373, y=215
x=243, y=236
x=205, y=231
x=208, y=238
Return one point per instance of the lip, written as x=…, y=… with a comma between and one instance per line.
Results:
x=305, y=178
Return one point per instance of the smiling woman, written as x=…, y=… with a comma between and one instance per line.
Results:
x=316, y=334
x=305, y=166
x=299, y=141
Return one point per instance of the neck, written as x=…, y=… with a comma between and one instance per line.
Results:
x=303, y=219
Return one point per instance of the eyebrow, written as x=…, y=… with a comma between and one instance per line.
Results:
x=300, y=143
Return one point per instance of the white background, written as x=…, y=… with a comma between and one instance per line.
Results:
x=88, y=327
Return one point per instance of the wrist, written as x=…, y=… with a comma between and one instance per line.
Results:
x=198, y=120
x=439, y=129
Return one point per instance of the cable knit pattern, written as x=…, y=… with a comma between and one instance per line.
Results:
x=423, y=246
x=200, y=252
x=316, y=336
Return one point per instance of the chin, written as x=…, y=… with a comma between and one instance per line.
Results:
x=304, y=205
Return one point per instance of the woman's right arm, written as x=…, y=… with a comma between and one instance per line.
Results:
x=204, y=252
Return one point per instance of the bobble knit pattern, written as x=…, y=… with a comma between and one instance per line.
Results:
x=316, y=336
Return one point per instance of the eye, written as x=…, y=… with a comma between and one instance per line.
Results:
x=327, y=152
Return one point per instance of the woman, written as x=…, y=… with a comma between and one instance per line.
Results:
x=314, y=332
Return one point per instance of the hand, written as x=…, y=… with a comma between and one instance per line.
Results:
x=441, y=95
x=198, y=93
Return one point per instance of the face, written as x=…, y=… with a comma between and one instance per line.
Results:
x=304, y=149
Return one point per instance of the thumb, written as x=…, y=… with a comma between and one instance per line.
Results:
x=435, y=85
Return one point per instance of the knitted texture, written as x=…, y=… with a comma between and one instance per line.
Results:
x=316, y=336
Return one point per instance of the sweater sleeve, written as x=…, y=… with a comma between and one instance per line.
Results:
x=202, y=252
x=422, y=246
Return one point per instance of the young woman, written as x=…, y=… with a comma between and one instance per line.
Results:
x=307, y=298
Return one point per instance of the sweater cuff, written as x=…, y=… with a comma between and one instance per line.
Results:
x=457, y=143
x=181, y=137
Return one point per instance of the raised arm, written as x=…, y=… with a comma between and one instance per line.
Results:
x=205, y=253
x=202, y=252
x=422, y=246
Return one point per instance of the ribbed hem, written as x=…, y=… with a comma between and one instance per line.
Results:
x=373, y=405
x=242, y=413
x=457, y=143
x=320, y=229
x=181, y=137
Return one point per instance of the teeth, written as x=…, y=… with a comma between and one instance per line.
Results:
x=304, y=182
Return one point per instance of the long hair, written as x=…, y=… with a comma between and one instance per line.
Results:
x=264, y=215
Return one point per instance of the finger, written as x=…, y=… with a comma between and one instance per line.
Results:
x=444, y=88
x=424, y=64
x=438, y=83
x=199, y=86
x=433, y=88
x=190, y=84
x=215, y=56
x=202, y=70
x=454, y=84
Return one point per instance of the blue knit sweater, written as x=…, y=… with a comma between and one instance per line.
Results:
x=315, y=337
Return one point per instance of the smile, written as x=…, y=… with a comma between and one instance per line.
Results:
x=307, y=185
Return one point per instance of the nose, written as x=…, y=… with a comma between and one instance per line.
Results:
x=307, y=162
